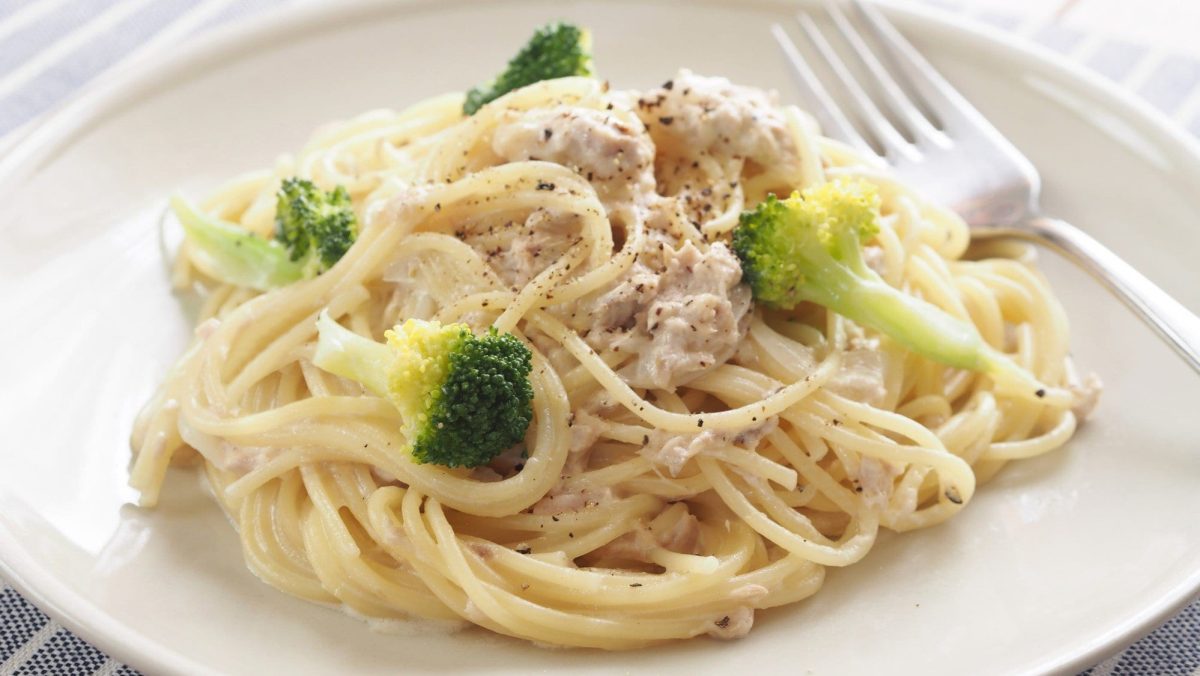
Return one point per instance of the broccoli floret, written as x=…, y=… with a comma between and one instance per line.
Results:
x=315, y=225
x=463, y=398
x=555, y=50
x=808, y=247
x=313, y=229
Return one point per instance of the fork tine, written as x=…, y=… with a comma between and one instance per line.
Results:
x=833, y=121
x=894, y=144
x=898, y=101
x=939, y=95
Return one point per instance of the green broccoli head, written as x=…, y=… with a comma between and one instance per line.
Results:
x=314, y=225
x=808, y=247
x=313, y=229
x=795, y=249
x=463, y=398
x=555, y=50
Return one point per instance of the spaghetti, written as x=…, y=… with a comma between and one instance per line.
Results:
x=671, y=482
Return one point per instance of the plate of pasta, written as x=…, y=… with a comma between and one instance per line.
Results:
x=545, y=337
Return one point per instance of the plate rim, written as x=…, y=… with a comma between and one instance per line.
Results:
x=114, y=90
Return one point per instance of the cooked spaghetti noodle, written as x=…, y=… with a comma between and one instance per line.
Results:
x=672, y=482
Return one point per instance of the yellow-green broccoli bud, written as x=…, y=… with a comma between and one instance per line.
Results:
x=808, y=247
x=463, y=398
x=554, y=51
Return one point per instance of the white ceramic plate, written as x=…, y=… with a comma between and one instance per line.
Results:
x=1060, y=561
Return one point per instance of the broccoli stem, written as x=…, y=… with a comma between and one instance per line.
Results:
x=233, y=254
x=916, y=324
x=929, y=331
x=344, y=352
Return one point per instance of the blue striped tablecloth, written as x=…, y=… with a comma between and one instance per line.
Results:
x=51, y=48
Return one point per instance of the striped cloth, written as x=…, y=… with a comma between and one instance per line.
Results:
x=49, y=49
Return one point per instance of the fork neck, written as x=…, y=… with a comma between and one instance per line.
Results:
x=1173, y=322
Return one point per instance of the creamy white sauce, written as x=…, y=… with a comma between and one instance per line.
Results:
x=674, y=451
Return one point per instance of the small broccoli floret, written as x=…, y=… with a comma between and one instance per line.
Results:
x=315, y=225
x=313, y=229
x=808, y=247
x=463, y=398
x=556, y=50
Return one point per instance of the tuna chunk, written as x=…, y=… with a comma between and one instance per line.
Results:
x=1087, y=395
x=673, y=451
x=693, y=115
x=734, y=625
x=616, y=158
x=518, y=251
x=679, y=323
x=860, y=377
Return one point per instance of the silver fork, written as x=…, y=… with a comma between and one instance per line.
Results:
x=961, y=160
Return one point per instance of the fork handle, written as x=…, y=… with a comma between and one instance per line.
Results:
x=1173, y=322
